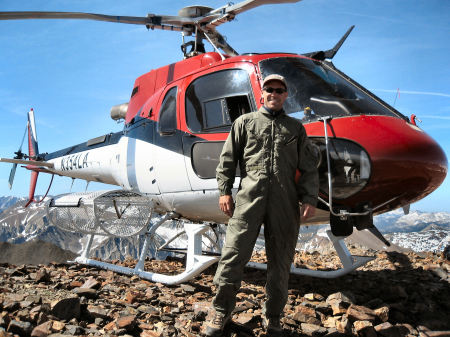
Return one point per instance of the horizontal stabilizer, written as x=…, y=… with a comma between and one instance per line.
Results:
x=27, y=162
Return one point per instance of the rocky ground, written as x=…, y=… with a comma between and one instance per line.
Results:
x=394, y=295
x=33, y=252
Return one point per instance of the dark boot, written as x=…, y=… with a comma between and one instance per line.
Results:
x=272, y=326
x=214, y=328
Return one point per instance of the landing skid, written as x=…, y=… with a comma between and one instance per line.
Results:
x=125, y=214
x=196, y=262
x=349, y=262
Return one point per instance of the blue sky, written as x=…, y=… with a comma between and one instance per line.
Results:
x=72, y=72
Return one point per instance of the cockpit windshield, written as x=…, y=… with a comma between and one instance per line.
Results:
x=317, y=90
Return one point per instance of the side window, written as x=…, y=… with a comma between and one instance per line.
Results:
x=168, y=113
x=215, y=100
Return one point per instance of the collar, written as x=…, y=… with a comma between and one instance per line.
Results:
x=272, y=113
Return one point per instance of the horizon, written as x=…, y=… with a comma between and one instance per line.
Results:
x=73, y=71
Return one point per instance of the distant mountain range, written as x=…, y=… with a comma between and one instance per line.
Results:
x=6, y=202
x=19, y=225
x=416, y=221
x=418, y=231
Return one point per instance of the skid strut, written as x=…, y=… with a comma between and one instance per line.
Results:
x=124, y=214
x=196, y=262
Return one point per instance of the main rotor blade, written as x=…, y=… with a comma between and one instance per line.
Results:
x=23, y=138
x=228, y=12
x=75, y=15
x=151, y=21
x=249, y=4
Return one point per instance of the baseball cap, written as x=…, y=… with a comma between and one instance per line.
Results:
x=275, y=77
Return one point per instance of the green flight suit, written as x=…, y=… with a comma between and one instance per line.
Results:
x=269, y=150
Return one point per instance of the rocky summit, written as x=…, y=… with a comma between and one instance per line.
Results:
x=394, y=295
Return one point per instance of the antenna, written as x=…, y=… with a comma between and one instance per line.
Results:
x=397, y=94
x=329, y=54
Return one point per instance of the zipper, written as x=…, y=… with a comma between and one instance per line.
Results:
x=272, y=152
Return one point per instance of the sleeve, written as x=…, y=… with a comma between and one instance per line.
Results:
x=226, y=171
x=308, y=184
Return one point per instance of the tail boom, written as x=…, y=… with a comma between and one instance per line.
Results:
x=103, y=162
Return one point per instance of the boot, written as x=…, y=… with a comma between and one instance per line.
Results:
x=272, y=326
x=215, y=327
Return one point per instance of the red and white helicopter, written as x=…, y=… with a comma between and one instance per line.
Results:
x=373, y=158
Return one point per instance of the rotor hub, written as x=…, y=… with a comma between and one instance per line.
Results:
x=194, y=11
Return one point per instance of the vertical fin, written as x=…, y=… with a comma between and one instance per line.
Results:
x=33, y=152
x=33, y=181
x=33, y=149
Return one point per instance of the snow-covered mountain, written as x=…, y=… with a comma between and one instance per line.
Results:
x=397, y=221
x=418, y=231
x=6, y=202
x=432, y=238
x=19, y=224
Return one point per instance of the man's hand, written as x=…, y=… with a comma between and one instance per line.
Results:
x=307, y=211
x=226, y=204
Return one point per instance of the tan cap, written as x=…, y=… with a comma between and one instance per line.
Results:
x=275, y=77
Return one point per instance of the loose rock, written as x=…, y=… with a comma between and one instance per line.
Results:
x=369, y=301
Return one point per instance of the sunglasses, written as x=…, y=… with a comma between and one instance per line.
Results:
x=270, y=90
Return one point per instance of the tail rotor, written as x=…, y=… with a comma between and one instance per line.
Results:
x=32, y=161
x=18, y=155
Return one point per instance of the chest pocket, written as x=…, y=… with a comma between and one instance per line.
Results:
x=291, y=141
x=287, y=149
x=258, y=144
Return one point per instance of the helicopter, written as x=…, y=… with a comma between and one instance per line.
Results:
x=178, y=118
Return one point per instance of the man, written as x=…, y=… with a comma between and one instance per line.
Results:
x=269, y=147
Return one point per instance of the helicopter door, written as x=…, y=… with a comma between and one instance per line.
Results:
x=140, y=165
x=213, y=102
x=170, y=170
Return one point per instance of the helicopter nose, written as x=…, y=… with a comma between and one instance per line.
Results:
x=407, y=163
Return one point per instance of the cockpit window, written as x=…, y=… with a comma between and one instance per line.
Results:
x=168, y=112
x=317, y=90
x=215, y=100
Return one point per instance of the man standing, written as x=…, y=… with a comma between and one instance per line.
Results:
x=269, y=147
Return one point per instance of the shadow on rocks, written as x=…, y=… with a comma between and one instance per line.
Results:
x=399, y=259
x=414, y=296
